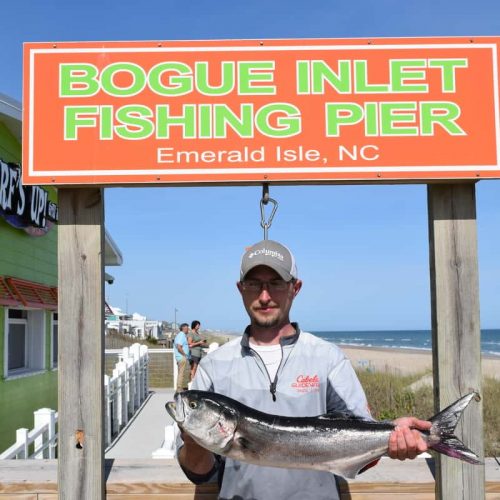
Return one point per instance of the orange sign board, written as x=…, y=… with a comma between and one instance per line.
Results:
x=252, y=111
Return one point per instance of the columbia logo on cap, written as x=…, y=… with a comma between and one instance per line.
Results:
x=265, y=251
x=271, y=254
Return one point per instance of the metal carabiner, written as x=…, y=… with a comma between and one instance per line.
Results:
x=264, y=201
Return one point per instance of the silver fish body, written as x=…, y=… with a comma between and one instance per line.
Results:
x=329, y=442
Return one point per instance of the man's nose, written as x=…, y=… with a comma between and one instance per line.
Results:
x=264, y=295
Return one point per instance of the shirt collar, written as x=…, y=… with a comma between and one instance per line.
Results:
x=284, y=341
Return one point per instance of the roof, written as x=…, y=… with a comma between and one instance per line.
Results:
x=11, y=115
x=112, y=254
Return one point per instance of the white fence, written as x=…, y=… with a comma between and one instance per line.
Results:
x=124, y=392
x=43, y=438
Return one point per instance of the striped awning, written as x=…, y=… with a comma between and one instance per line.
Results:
x=19, y=292
x=7, y=297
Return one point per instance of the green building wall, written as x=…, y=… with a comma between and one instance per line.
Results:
x=21, y=255
x=34, y=259
x=27, y=257
x=10, y=149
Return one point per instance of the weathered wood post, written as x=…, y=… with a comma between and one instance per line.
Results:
x=81, y=338
x=456, y=329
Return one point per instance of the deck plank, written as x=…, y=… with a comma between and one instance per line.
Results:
x=125, y=480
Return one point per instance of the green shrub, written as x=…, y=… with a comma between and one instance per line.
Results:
x=491, y=416
x=151, y=340
x=388, y=394
x=390, y=397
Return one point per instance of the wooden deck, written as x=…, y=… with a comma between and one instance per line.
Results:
x=162, y=479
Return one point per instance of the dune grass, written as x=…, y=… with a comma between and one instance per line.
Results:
x=390, y=397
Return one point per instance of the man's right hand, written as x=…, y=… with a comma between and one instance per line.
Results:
x=194, y=457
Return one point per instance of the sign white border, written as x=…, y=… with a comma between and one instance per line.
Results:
x=259, y=170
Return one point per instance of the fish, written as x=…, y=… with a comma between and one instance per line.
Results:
x=334, y=442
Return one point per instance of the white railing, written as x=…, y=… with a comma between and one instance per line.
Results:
x=124, y=393
x=43, y=437
x=125, y=390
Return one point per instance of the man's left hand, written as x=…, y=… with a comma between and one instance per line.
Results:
x=406, y=441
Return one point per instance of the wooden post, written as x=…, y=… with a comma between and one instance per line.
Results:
x=455, y=329
x=81, y=338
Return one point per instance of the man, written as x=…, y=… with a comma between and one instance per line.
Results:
x=278, y=369
x=181, y=350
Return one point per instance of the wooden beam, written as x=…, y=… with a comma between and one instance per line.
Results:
x=81, y=339
x=456, y=328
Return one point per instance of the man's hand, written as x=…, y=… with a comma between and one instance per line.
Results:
x=194, y=457
x=406, y=441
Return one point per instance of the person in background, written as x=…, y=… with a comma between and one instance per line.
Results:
x=181, y=350
x=279, y=369
x=195, y=345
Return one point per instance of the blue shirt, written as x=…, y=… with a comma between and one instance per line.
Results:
x=181, y=339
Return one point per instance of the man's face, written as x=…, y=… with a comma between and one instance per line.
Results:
x=184, y=329
x=268, y=307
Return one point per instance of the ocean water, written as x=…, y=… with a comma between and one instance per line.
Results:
x=404, y=339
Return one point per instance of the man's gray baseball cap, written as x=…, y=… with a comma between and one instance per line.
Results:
x=271, y=254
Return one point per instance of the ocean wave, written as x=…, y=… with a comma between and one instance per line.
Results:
x=491, y=353
x=420, y=340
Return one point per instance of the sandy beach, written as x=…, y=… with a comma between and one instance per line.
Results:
x=405, y=361
x=394, y=360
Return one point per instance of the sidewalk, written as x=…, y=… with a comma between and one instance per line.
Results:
x=146, y=432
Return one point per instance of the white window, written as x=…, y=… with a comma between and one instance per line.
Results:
x=24, y=346
x=54, y=341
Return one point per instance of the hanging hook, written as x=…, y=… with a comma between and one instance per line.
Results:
x=264, y=201
x=265, y=193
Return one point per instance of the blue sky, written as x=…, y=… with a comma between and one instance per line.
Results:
x=362, y=251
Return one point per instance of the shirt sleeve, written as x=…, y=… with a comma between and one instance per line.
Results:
x=344, y=392
x=203, y=380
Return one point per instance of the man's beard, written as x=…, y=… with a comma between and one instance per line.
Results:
x=265, y=322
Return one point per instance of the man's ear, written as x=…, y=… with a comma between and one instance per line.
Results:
x=296, y=287
x=239, y=287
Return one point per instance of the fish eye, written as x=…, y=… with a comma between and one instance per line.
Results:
x=193, y=404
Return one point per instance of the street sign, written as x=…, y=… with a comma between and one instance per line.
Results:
x=182, y=112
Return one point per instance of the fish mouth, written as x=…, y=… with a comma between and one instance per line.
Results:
x=176, y=409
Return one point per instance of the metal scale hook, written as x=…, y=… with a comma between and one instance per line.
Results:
x=263, y=202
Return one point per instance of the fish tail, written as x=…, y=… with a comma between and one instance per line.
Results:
x=441, y=436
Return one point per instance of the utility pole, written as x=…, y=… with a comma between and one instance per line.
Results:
x=175, y=318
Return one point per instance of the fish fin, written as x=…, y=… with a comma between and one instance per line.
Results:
x=339, y=415
x=350, y=470
x=347, y=472
x=453, y=447
x=443, y=426
x=245, y=444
